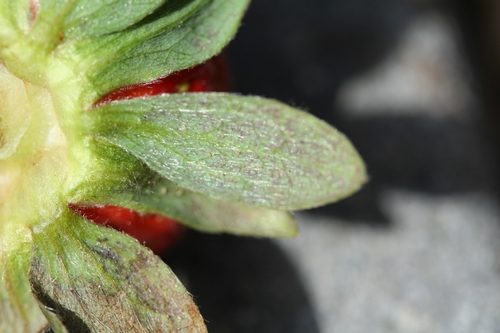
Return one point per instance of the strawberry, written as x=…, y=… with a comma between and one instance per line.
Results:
x=83, y=137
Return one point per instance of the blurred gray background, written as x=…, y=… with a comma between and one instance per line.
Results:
x=414, y=84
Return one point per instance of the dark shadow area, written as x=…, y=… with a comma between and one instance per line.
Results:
x=301, y=51
x=415, y=153
x=479, y=23
x=243, y=285
x=422, y=154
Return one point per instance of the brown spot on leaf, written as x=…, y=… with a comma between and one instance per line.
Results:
x=34, y=5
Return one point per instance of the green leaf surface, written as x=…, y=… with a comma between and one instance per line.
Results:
x=206, y=214
x=162, y=46
x=13, y=20
x=56, y=325
x=91, y=18
x=92, y=279
x=19, y=312
x=129, y=183
x=244, y=149
x=76, y=19
x=47, y=29
x=14, y=110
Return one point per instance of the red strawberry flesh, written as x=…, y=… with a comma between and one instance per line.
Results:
x=155, y=231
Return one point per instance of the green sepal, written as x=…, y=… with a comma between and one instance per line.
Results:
x=93, y=18
x=14, y=20
x=56, y=325
x=129, y=183
x=97, y=280
x=206, y=214
x=15, y=112
x=114, y=49
x=78, y=19
x=113, y=171
x=160, y=45
x=62, y=20
x=244, y=149
x=19, y=311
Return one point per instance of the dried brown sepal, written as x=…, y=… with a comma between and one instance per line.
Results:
x=92, y=279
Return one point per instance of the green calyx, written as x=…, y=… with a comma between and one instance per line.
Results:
x=216, y=162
